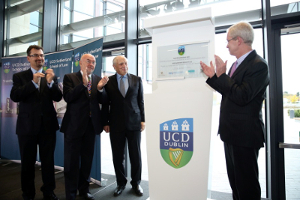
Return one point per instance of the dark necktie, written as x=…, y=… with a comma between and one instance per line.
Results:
x=233, y=68
x=89, y=86
x=122, y=86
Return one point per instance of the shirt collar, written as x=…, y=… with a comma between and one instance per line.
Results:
x=35, y=71
x=242, y=58
x=119, y=76
x=88, y=75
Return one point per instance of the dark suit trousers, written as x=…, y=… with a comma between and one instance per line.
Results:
x=118, y=141
x=78, y=157
x=28, y=150
x=242, y=170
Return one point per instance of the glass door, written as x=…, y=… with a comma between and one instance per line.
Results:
x=290, y=42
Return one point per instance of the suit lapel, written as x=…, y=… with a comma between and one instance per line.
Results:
x=115, y=84
x=245, y=62
x=129, y=84
x=29, y=75
x=94, y=85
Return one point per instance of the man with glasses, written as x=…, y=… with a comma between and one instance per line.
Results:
x=82, y=91
x=241, y=125
x=35, y=90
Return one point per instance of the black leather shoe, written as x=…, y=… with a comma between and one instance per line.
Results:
x=138, y=190
x=119, y=190
x=50, y=196
x=87, y=196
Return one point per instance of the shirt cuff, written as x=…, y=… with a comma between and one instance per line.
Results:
x=36, y=85
x=50, y=84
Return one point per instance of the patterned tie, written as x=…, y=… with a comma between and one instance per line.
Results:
x=233, y=68
x=122, y=86
x=89, y=86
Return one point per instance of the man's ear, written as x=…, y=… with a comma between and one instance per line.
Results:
x=240, y=40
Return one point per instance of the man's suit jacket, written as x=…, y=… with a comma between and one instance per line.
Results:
x=125, y=111
x=81, y=106
x=241, y=121
x=35, y=107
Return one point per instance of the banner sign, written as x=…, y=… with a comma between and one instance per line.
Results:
x=61, y=63
x=176, y=141
x=9, y=138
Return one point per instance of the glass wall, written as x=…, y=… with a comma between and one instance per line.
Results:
x=83, y=20
x=145, y=66
x=23, y=25
x=248, y=10
x=291, y=112
x=283, y=7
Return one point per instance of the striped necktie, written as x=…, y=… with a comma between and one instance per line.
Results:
x=89, y=86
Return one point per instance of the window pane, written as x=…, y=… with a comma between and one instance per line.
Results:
x=279, y=7
x=291, y=90
x=247, y=10
x=23, y=26
x=145, y=66
x=88, y=19
x=291, y=112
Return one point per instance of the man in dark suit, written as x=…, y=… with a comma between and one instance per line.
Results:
x=82, y=91
x=126, y=122
x=35, y=91
x=241, y=125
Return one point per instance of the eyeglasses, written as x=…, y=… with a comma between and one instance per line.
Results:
x=91, y=62
x=231, y=39
x=37, y=55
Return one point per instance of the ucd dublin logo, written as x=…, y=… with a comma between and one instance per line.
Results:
x=77, y=58
x=181, y=50
x=176, y=141
x=6, y=67
x=45, y=67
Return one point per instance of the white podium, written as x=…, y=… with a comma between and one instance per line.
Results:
x=179, y=110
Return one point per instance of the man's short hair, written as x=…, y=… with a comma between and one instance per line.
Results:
x=243, y=30
x=115, y=60
x=33, y=47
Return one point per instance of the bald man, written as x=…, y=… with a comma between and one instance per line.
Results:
x=126, y=122
x=82, y=91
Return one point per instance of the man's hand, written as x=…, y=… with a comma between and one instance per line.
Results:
x=49, y=75
x=37, y=76
x=102, y=82
x=143, y=125
x=106, y=128
x=220, y=66
x=208, y=71
x=85, y=79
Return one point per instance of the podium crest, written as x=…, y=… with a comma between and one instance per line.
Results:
x=176, y=141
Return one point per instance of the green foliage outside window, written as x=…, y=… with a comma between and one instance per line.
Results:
x=296, y=113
